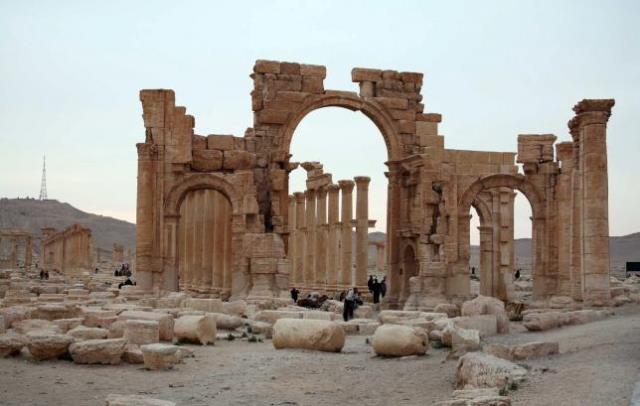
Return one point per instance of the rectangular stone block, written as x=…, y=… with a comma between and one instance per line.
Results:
x=263, y=66
x=364, y=74
x=393, y=102
x=206, y=160
x=290, y=68
x=269, y=116
x=406, y=126
x=313, y=84
x=408, y=115
x=221, y=142
x=411, y=77
x=313, y=70
x=199, y=142
x=426, y=128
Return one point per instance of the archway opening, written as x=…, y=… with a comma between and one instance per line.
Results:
x=204, y=243
x=325, y=251
x=409, y=269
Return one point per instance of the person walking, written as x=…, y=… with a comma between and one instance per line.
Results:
x=370, y=283
x=349, y=305
x=294, y=294
x=383, y=287
x=376, y=289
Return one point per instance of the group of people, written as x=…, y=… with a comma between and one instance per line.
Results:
x=377, y=289
x=44, y=274
x=352, y=300
x=123, y=271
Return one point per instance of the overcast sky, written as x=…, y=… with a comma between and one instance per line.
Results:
x=70, y=72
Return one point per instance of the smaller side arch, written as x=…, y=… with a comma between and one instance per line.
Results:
x=200, y=181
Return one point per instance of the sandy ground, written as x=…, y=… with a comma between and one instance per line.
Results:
x=598, y=365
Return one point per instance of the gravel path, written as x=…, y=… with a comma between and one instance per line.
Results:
x=598, y=365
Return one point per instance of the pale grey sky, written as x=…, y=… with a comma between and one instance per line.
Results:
x=70, y=72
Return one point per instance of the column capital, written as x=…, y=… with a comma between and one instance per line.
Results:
x=310, y=193
x=321, y=192
x=588, y=112
x=362, y=182
x=299, y=196
x=332, y=188
x=346, y=185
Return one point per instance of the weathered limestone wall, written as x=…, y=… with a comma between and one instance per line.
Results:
x=68, y=251
x=278, y=239
x=10, y=240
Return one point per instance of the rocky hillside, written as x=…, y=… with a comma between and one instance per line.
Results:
x=33, y=215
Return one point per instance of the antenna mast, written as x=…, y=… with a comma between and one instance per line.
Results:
x=43, y=183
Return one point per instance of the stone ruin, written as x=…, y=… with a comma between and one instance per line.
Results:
x=68, y=251
x=10, y=244
x=215, y=214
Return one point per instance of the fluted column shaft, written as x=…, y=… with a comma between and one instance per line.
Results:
x=333, y=262
x=298, y=270
x=362, y=229
x=309, y=263
x=321, y=239
x=346, y=188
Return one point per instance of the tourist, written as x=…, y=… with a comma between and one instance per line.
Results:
x=349, y=304
x=42, y=274
x=294, y=294
x=517, y=275
x=376, y=289
x=370, y=283
x=383, y=287
x=473, y=270
x=46, y=275
x=125, y=283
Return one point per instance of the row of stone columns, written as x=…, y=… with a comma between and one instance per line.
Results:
x=321, y=242
x=204, y=243
x=13, y=254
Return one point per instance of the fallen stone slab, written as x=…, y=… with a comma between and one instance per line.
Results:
x=464, y=341
x=476, y=397
x=391, y=340
x=54, y=311
x=480, y=370
x=45, y=345
x=27, y=325
x=486, y=324
x=523, y=352
x=11, y=344
x=271, y=316
x=136, y=400
x=141, y=332
x=196, y=329
x=482, y=305
x=13, y=314
x=260, y=327
x=159, y=356
x=206, y=305
x=88, y=333
x=226, y=321
x=106, y=352
x=165, y=321
x=98, y=317
x=132, y=354
x=320, y=335
x=67, y=324
x=235, y=308
x=449, y=309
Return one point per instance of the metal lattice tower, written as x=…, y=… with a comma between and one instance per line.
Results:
x=43, y=183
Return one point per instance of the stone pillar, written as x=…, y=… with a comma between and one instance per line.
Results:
x=321, y=239
x=394, y=197
x=309, y=263
x=208, y=241
x=221, y=207
x=485, y=271
x=346, y=188
x=14, y=253
x=291, y=246
x=28, y=253
x=228, y=253
x=380, y=256
x=362, y=230
x=592, y=117
x=333, y=262
x=145, y=214
x=298, y=270
x=564, y=152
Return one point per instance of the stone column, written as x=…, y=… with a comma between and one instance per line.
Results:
x=321, y=239
x=208, y=219
x=291, y=246
x=309, y=263
x=362, y=230
x=228, y=253
x=592, y=117
x=394, y=197
x=298, y=270
x=333, y=262
x=220, y=217
x=28, y=253
x=564, y=152
x=485, y=271
x=145, y=215
x=14, y=252
x=346, y=188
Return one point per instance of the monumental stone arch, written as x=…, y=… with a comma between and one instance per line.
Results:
x=215, y=215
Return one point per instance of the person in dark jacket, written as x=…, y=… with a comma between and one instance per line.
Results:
x=294, y=294
x=370, y=283
x=376, y=289
x=383, y=287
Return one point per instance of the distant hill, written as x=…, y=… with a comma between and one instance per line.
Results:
x=32, y=215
